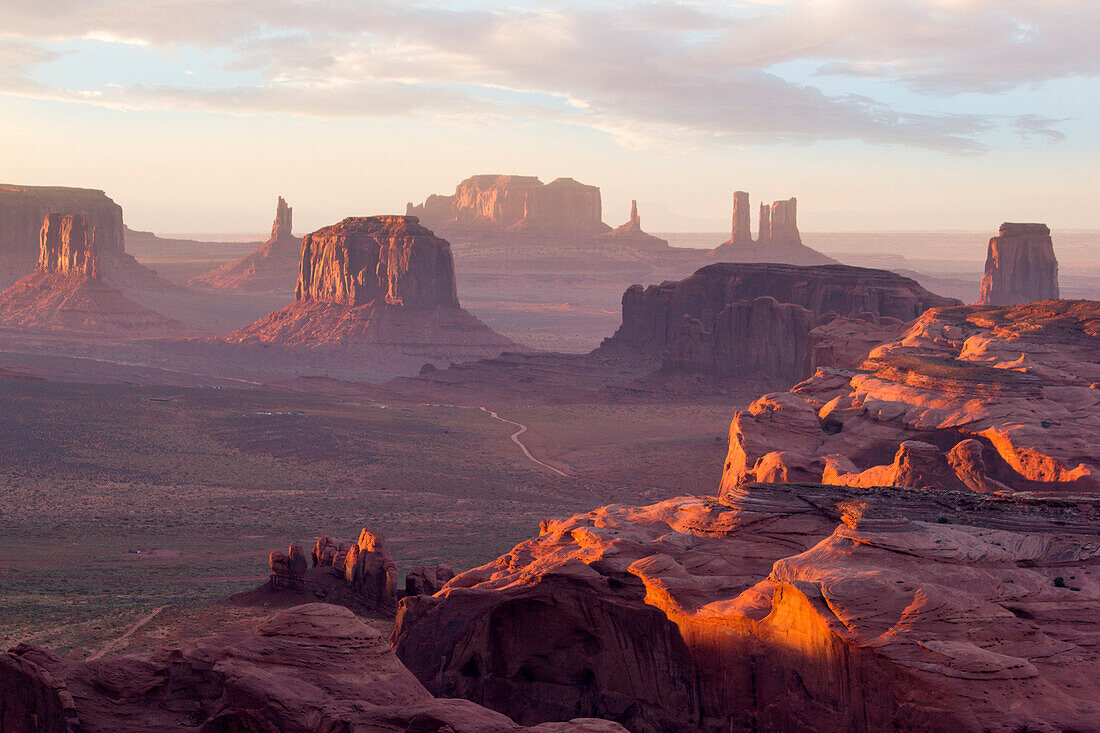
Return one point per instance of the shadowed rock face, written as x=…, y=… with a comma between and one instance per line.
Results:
x=273, y=267
x=780, y=607
x=982, y=397
x=741, y=234
x=515, y=203
x=311, y=668
x=729, y=317
x=1020, y=266
x=22, y=209
x=378, y=259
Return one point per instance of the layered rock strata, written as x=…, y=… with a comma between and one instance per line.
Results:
x=311, y=668
x=987, y=398
x=273, y=267
x=515, y=203
x=781, y=607
x=383, y=281
x=1020, y=266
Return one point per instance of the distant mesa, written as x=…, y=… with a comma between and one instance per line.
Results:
x=1020, y=266
x=737, y=318
x=778, y=240
x=273, y=267
x=498, y=203
x=66, y=290
x=381, y=281
x=631, y=235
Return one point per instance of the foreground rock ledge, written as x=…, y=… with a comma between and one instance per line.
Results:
x=781, y=607
x=311, y=668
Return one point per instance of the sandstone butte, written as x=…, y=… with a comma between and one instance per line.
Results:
x=22, y=209
x=1020, y=266
x=67, y=292
x=381, y=281
x=781, y=607
x=273, y=267
x=981, y=397
x=311, y=668
x=729, y=319
x=497, y=203
x=778, y=240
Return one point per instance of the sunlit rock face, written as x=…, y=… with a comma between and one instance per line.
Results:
x=1020, y=266
x=65, y=247
x=780, y=607
x=980, y=397
x=273, y=267
x=314, y=667
x=517, y=204
x=734, y=318
x=23, y=208
x=66, y=292
x=384, y=281
x=378, y=259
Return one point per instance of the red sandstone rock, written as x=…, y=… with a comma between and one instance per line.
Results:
x=288, y=572
x=271, y=268
x=1020, y=266
x=1003, y=394
x=515, y=203
x=426, y=581
x=765, y=237
x=312, y=668
x=779, y=240
x=844, y=343
x=781, y=607
x=783, y=224
x=381, y=282
x=22, y=209
x=67, y=293
x=631, y=236
x=737, y=331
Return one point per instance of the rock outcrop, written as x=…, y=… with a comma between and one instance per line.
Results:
x=781, y=607
x=631, y=236
x=516, y=204
x=359, y=575
x=732, y=318
x=67, y=293
x=1020, y=266
x=778, y=240
x=381, y=281
x=22, y=209
x=989, y=398
x=311, y=668
x=741, y=234
x=271, y=268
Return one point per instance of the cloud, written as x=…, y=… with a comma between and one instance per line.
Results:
x=648, y=73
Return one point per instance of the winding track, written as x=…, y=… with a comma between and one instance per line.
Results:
x=517, y=441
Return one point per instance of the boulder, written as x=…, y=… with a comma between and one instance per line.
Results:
x=427, y=581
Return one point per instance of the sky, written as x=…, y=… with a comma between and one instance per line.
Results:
x=195, y=115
